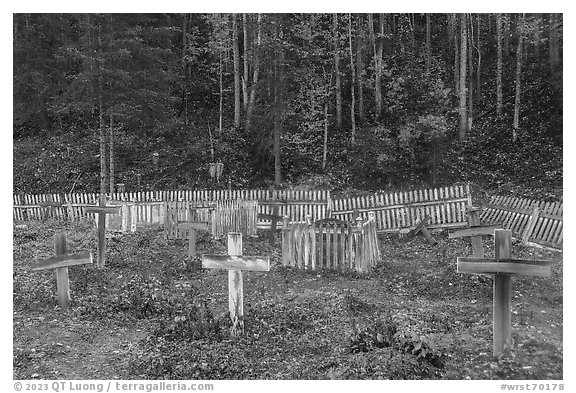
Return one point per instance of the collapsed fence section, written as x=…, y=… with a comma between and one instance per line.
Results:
x=535, y=222
x=446, y=207
x=331, y=244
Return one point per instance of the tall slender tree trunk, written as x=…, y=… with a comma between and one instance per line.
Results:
x=246, y=61
x=185, y=73
x=478, y=66
x=428, y=45
x=516, y=122
x=278, y=115
x=352, y=70
x=456, y=55
x=470, y=73
x=236, y=53
x=462, y=93
x=256, y=67
x=336, y=41
x=499, y=65
x=101, y=114
x=537, y=19
x=360, y=72
x=325, y=144
x=111, y=148
x=378, y=65
x=506, y=34
x=221, y=85
x=554, y=51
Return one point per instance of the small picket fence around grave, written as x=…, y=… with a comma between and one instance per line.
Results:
x=332, y=244
x=222, y=217
x=535, y=222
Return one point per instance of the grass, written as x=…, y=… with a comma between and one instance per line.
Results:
x=152, y=313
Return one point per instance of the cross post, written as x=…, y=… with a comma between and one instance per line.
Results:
x=503, y=267
x=48, y=206
x=421, y=227
x=275, y=218
x=60, y=263
x=192, y=226
x=475, y=233
x=234, y=262
x=102, y=210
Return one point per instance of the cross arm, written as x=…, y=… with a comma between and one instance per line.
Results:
x=509, y=266
x=420, y=225
x=103, y=209
x=235, y=262
x=63, y=261
x=273, y=217
x=50, y=204
x=193, y=225
x=474, y=231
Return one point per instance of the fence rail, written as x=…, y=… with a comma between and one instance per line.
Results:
x=536, y=222
x=446, y=207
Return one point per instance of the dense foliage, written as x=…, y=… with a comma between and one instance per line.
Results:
x=167, y=83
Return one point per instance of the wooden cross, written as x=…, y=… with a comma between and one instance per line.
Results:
x=502, y=267
x=234, y=262
x=47, y=207
x=421, y=227
x=475, y=232
x=192, y=226
x=275, y=218
x=102, y=210
x=60, y=263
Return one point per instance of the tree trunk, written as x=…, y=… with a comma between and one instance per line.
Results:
x=185, y=73
x=478, y=66
x=246, y=61
x=456, y=55
x=499, y=65
x=516, y=123
x=278, y=91
x=111, y=142
x=337, y=70
x=428, y=45
x=236, y=52
x=221, y=84
x=506, y=33
x=101, y=115
x=553, y=43
x=353, y=103
x=256, y=67
x=537, y=18
x=360, y=72
x=463, y=55
x=378, y=66
x=471, y=74
x=325, y=144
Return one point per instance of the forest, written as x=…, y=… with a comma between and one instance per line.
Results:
x=319, y=101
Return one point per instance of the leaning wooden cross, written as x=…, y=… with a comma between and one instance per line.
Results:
x=192, y=226
x=234, y=262
x=47, y=207
x=421, y=227
x=60, y=263
x=102, y=210
x=502, y=267
x=475, y=232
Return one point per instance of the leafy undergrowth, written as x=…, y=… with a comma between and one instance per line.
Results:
x=154, y=313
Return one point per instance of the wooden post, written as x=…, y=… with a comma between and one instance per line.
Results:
x=502, y=267
x=102, y=210
x=234, y=262
x=60, y=263
x=192, y=226
x=475, y=233
x=474, y=221
x=48, y=207
x=530, y=225
x=502, y=296
x=275, y=218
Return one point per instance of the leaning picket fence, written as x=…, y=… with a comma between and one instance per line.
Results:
x=446, y=207
x=332, y=244
x=535, y=222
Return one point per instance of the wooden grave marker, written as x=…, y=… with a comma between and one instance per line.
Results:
x=60, y=263
x=275, y=218
x=503, y=267
x=48, y=206
x=421, y=228
x=102, y=210
x=475, y=232
x=192, y=226
x=235, y=263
